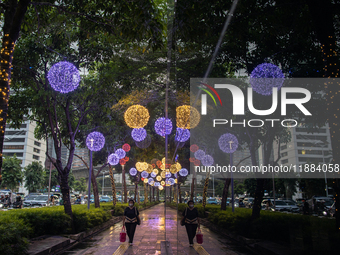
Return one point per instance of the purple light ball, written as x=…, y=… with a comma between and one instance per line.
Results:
x=207, y=160
x=163, y=126
x=182, y=135
x=95, y=141
x=199, y=154
x=171, y=181
x=228, y=143
x=113, y=159
x=265, y=77
x=120, y=153
x=183, y=172
x=63, y=77
x=157, y=184
x=153, y=175
x=167, y=175
x=133, y=171
x=138, y=134
x=150, y=181
x=144, y=174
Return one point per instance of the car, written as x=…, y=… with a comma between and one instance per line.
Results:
x=41, y=200
x=104, y=199
x=248, y=202
x=280, y=206
x=29, y=199
x=238, y=203
x=212, y=201
x=292, y=206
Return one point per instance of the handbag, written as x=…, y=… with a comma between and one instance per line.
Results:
x=199, y=236
x=185, y=215
x=138, y=220
x=122, y=235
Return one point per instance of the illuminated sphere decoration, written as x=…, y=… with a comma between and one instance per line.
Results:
x=167, y=174
x=171, y=181
x=182, y=135
x=265, y=77
x=207, y=160
x=197, y=162
x=199, y=154
x=144, y=174
x=113, y=159
x=126, y=147
x=187, y=117
x=151, y=181
x=157, y=184
x=145, y=180
x=120, y=153
x=95, y=141
x=138, y=134
x=163, y=126
x=228, y=143
x=122, y=161
x=158, y=178
x=194, y=148
x=136, y=116
x=153, y=175
x=133, y=171
x=183, y=172
x=160, y=187
x=63, y=77
x=145, y=143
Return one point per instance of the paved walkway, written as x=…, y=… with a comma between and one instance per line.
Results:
x=158, y=224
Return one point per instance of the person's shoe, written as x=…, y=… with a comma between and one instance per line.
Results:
x=191, y=245
x=130, y=244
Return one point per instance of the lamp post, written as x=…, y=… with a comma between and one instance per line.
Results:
x=95, y=142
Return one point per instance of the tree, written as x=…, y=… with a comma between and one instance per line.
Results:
x=12, y=173
x=34, y=176
x=80, y=185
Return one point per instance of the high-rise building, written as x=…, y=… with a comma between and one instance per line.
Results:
x=24, y=145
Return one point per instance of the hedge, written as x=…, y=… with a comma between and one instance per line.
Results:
x=17, y=226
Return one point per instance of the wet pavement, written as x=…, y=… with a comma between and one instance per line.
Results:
x=158, y=224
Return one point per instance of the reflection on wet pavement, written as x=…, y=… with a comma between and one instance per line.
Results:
x=157, y=224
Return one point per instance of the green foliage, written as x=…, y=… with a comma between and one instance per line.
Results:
x=80, y=185
x=34, y=176
x=12, y=174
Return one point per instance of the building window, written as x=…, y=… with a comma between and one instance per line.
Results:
x=283, y=147
x=13, y=147
x=321, y=130
x=308, y=144
x=36, y=157
x=23, y=126
x=312, y=137
x=312, y=152
x=311, y=160
x=15, y=140
x=285, y=161
x=36, y=150
x=11, y=154
x=284, y=154
x=37, y=143
x=17, y=132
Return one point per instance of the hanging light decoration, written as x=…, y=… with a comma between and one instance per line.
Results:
x=126, y=147
x=95, y=141
x=183, y=172
x=171, y=181
x=155, y=171
x=199, y=154
x=160, y=187
x=187, y=117
x=265, y=77
x=151, y=181
x=138, y=134
x=163, y=126
x=144, y=166
x=153, y=175
x=136, y=116
x=133, y=171
x=163, y=174
x=162, y=183
x=158, y=178
x=120, y=153
x=149, y=169
x=113, y=159
x=182, y=135
x=173, y=169
x=139, y=166
x=63, y=77
x=207, y=160
x=126, y=159
x=122, y=162
x=144, y=174
x=145, y=143
x=194, y=148
x=157, y=184
x=228, y=143
x=145, y=180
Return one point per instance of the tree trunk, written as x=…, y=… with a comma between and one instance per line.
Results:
x=225, y=194
x=157, y=194
x=149, y=188
x=124, y=184
x=153, y=193
x=113, y=186
x=13, y=17
x=175, y=193
x=192, y=189
x=205, y=189
x=145, y=193
x=179, y=192
x=95, y=190
x=136, y=191
x=65, y=191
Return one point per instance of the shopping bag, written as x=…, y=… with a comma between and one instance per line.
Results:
x=199, y=237
x=122, y=235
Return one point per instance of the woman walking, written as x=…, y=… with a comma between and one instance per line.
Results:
x=191, y=221
x=131, y=219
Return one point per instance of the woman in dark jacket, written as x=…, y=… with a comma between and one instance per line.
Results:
x=131, y=219
x=191, y=221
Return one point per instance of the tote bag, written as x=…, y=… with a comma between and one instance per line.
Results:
x=122, y=235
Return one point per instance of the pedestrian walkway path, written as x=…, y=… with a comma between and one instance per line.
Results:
x=158, y=224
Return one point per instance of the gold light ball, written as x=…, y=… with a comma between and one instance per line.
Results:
x=139, y=167
x=146, y=180
x=178, y=166
x=136, y=116
x=158, y=178
x=155, y=171
x=160, y=187
x=149, y=169
x=173, y=169
x=163, y=174
x=187, y=117
x=162, y=183
x=144, y=166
